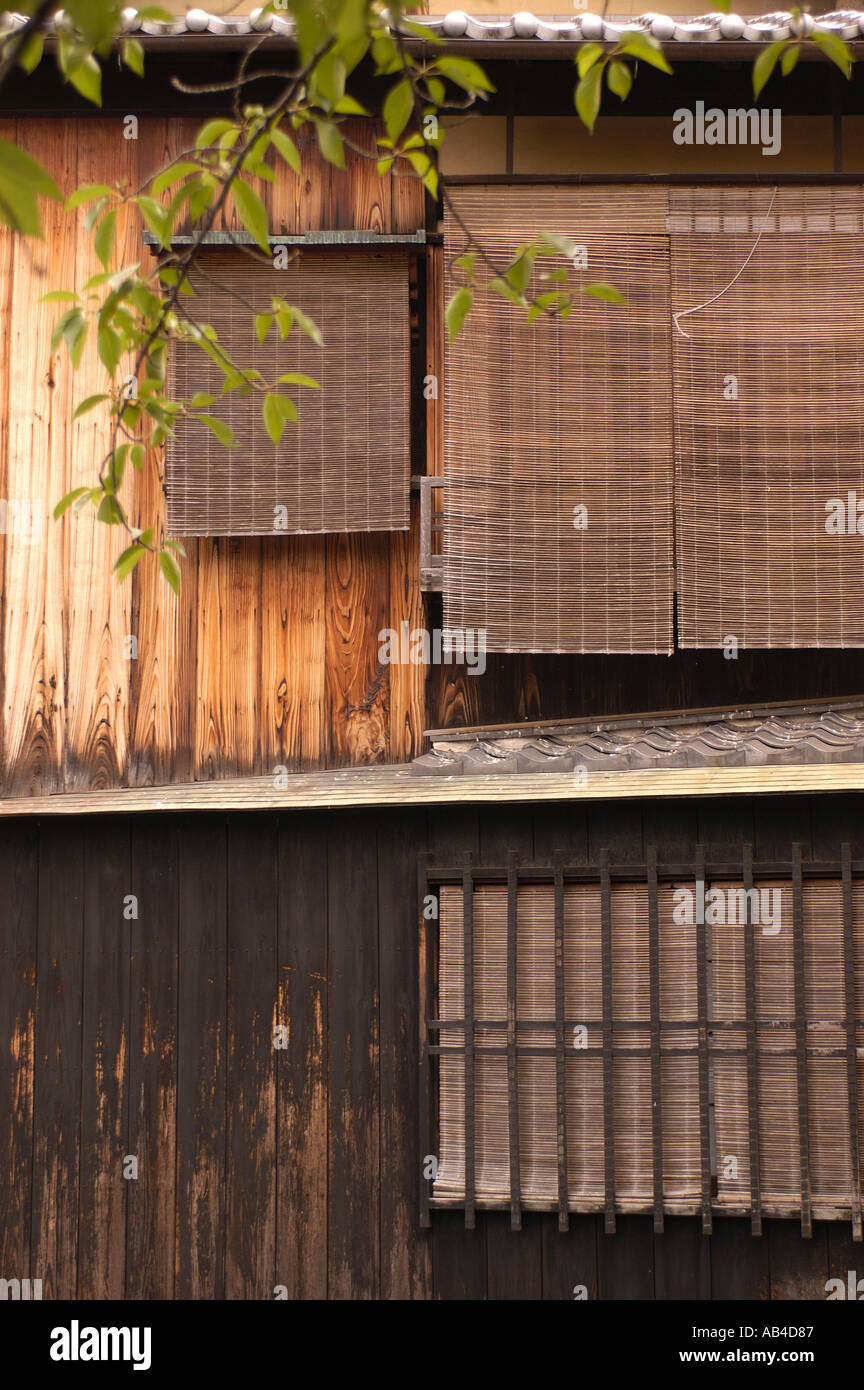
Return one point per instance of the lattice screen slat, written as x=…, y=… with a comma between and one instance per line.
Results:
x=542, y=419
x=345, y=465
x=809, y=989
x=754, y=473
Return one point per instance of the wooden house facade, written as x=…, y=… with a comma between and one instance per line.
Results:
x=259, y=878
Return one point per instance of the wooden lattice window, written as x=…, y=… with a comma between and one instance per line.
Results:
x=591, y=1045
x=345, y=464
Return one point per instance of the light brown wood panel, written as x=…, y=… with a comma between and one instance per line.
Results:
x=292, y=651
x=39, y=425
x=357, y=683
x=7, y=246
x=98, y=609
x=162, y=716
x=229, y=657
x=407, y=689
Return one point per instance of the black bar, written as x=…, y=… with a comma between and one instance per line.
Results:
x=608, y=1082
x=425, y=989
x=801, y=1040
x=636, y=873
x=560, y=1055
x=656, y=1080
x=702, y=1010
x=752, y=1058
x=468, y=1009
x=673, y=180
x=851, y=1041
x=512, y=1076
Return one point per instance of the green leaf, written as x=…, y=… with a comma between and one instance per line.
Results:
x=397, y=108
x=789, y=59
x=457, y=312
x=330, y=143
x=157, y=219
x=173, y=174
x=86, y=78
x=125, y=563
x=103, y=242
x=88, y=404
x=765, y=64
x=274, y=422
x=110, y=347
x=519, y=273
x=137, y=456
x=71, y=330
x=263, y=324
x=465, y=74
x=560, y=244
x=835, y=49
x=502, y=287
x=348, y=106
x=31, y=54
x=286, y=147
x=587, y=56
x=94, y=214
x=222, y=431
x=201, y=398
x=87, y=193
x=588, y=93
x=210, y=133
x=168, y=566
x=619, y=79
x=178, y=546
x=466, y=262
x=59, y=297
x=109, y=511
x=22, y=168
x=308, y=326
x=299, y=379
x=22, y=181
x=638, y=45
x=67, y=501
x=132, y=55
x=252, y=212
x=601, y=290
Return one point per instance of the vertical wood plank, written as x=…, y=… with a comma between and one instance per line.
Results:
x=40, y=434
x=625, y=1260
x=57, y=1107
x=98, y=609
x=682, y=1260
x=251, y=1139
x=407, y=681
x=798, y=1268
x=19, y=898
x=201, y=1061
x=570, y=1259
x=301, y=1082
x=739, y=1261
x=164, y=681
x=514, y=1258
x=7, y=252
x=405, y=1259
x=229, y=658
x=104, y=1060
x=153, y=1060
x=354, y=1173
x=357, y=701
x=292, y=652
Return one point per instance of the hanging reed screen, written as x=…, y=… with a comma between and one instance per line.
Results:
x=624, y=1040
x=769, y=414
x=546, y=419
x=345, y=464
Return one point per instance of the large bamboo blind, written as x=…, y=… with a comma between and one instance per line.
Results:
x=754, y=473
x=724, y=1066
x=546, y=418
x=345, y=465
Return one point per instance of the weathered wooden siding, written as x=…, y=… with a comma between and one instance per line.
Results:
x=269, y=657
x=259, y=1167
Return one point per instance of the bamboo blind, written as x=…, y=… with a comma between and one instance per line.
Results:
x=542, y=419
x=345, y=465
x=753, y=475
x=724, y=1066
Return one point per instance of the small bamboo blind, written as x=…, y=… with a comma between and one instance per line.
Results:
x=546, y=418
x=723, y=1070
x=345, y=465
x=780, y=330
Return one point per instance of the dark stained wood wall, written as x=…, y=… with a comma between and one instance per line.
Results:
x=260, y=1167
x=270, y=655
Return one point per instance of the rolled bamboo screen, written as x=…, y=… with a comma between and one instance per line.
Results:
x=775, y=1074
x=543, y=419
x=345, y=465
x=769, y=413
